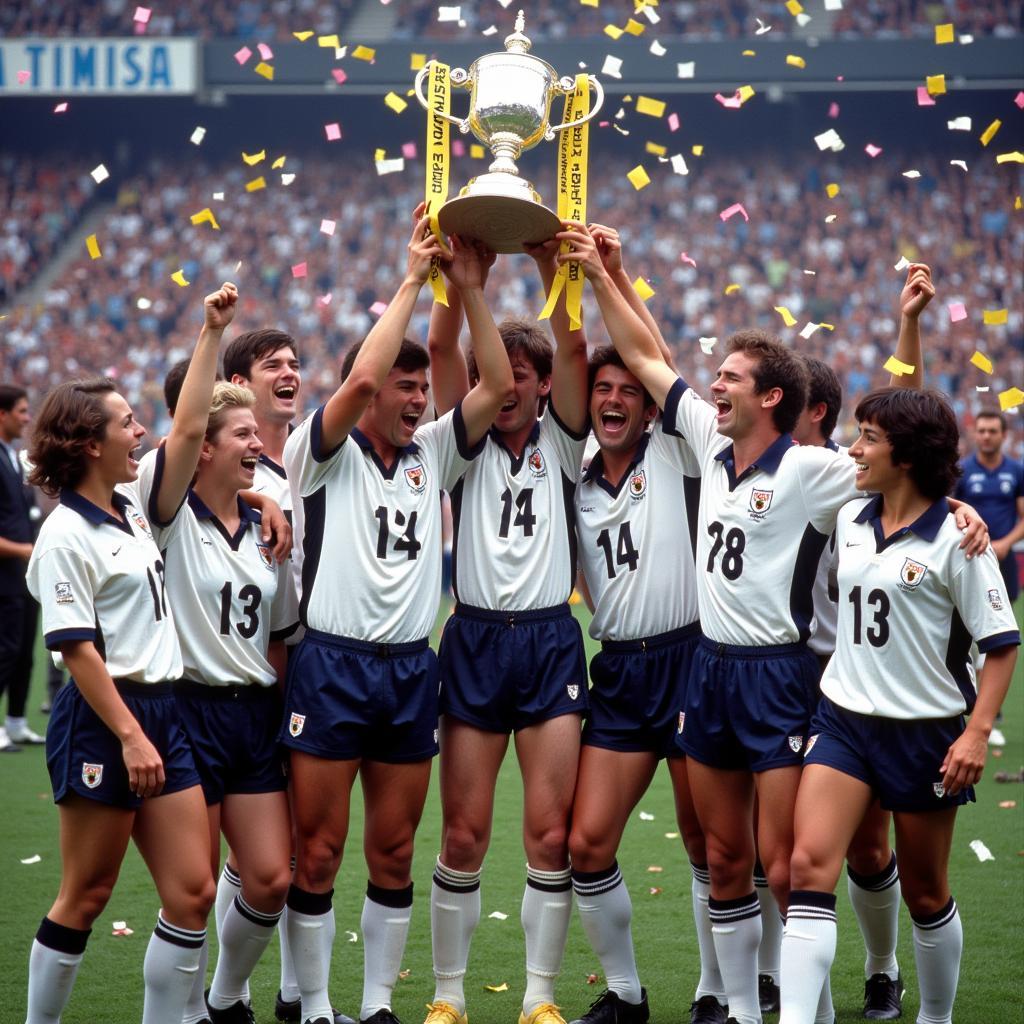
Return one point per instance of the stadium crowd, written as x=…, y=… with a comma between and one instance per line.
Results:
x=124, y=314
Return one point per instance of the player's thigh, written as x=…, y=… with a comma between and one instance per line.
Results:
x=923, y=843
x=393, y=798
x=725, y=808
x=609, y=785
x=686, y=811
x=258, y=829
x=548, y=755
x=320, y=790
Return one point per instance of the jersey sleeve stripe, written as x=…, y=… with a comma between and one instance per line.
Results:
x=316, y=438
x=671, y=410
x=1011, y=638
x=154, y=493
x=283, y=634
x=62, y=636
x=467, y=451
x=576, y=436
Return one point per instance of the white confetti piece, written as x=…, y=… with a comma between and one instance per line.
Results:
x=959, y=124
x=962, y=164
x=679, y=164
x=981, y=851
x=449, y=13
x=197, y=136
x=34, y=859
x=219, y=196
x=352, y=936
x=390, y=166
x=498, y=915
x=833, y=5
x=707, y=344
x=686, y=69
x=809, y=328
x=656, y=48
x=911, y=174
x=829, y=140
x=671, y=835
x=903, y=264
x=287, y=179
x=761, y=27
x=99, y=173
x=644, y=816
x=612, y=66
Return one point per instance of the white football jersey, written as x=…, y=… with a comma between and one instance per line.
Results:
x=826, y=611
x=372, y=534
x=760, y=536
x=636, y=540
x=101, y=579
x=514, y=545
x=909, y=607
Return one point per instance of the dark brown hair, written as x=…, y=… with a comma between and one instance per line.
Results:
x=823, y=386
x=253, y=346
x=522, y=336
x=775, y=366
x=10, y=396
x=411, y=356
x=985, y=414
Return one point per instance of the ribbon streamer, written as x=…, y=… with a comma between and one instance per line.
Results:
x=438, y=159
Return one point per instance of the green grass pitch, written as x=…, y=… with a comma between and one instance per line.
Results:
x=109, y=989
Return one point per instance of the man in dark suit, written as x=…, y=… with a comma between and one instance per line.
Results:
x=18, y=612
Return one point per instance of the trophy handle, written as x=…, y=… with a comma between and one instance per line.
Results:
x=459, y=77
x=568, y=85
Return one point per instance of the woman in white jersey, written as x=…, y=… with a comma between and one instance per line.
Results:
x=891, y=720
x=234, y=608
x=118, y=758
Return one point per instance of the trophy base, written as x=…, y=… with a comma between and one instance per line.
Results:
x=502, y=223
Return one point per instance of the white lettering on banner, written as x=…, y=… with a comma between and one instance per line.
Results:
x=121, y=67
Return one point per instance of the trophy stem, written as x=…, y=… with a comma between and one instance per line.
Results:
x=505, y=147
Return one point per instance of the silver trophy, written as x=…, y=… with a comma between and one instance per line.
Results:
x=509, y=110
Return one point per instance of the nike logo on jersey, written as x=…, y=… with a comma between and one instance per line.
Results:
x=115, y=551
x=853, y=544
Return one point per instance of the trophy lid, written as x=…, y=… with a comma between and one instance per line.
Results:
x=517, y=42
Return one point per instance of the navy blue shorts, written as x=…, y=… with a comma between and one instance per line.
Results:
x=749, y=708
x=898, y=758
x=638, y=692
x=351, y=699
x=84, y=757
x=233, y=732
x=504, y=671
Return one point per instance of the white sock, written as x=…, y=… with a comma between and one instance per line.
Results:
x=195, y=1005
x=288, y=986
x=606, y=914
x=808, y=949
x=229, y=885
x=310, y=935
x=545, y=913
x=385, y=924
x=454, y=915
x=710, y=983
x=169, y=970
x=245, y=936
x=15, y=724
x=938, y=944
x=770, y=950
x=876, y=902
x=826, y=1013
x=57, y=953
x=736, y=927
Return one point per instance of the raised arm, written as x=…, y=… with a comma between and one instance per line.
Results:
x=449, y=375
x=634, y=342
x=916, y=294
x=467, y=271
x=380, y=349
x=184, y=442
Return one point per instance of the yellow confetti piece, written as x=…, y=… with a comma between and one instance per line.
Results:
x=614, y=31
x=749, y=53
x=745, y=92
x=935, y=84
x=1010, y=398
x=794, y=61
x=93, y=247
x=1016, y=157
x=417, y=61
x=1018, y=203
x=379, y=154
x=477, y=152
x=787, y=318
x=278, y=163
x=731, y=288
x=255, y=185
x=503, y=987
x=178, y=277
x=303, y=36
x=638, y=177
x=828, y=327
x=989, y=133
x=332, y=41
x=943, y=34
x=894, y=365
x=590, y=3
x=255, y=158
x=697, y=150
x=634, y=27
x=832, y=190
x=264, y=69
x=794, y=7
x=395, y=102
x=982, y=362
x=653, y=108
x=994, y=316
x=206, y=216
x=366, y=53
x=643, y=289
x=653, y=147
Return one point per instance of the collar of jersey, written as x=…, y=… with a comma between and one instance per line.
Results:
x=926, y=525
x=768, y=461
x=831, y=445
x=246, y=516
x=93, y=513
x=273, y=466
x=517, y=460
x=595, y=471
x=367, y=445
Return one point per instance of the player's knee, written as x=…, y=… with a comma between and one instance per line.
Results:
x=189, y=904
x=730, y=865
x=391, y=859
x=317, y=862
x=587, y=851
x=547, y=848
x=267, y=888
x=924, y=896
x=869, y=856
x=806, y=870
x=463, y=847
x=91, y=900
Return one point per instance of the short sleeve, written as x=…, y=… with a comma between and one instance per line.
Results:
x=827, y=480
x=979, y=593
x=305, y=461
x=448, y=445
x=567, y=445
x=284, y=612
x=673, y=449
x=686, y=415
x=61, y=580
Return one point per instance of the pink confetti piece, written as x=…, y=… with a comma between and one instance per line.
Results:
x=324, y=300
x=142, y=15
x=23, y=77
x=243, y=54
x=327, y=227
x=265, y=51
x=957, y=311
x=833, y=110
x=673, y=122
x=924, y=99
x=1019, y=100
x=332, y=131
x=458, y=147
x=687, y=258
x=377, y=309
x=872, y=150
x=730, y=102
x=299, y=270
x=409, y=150
x=60, y=108
x=339, y=75
x=731, y=211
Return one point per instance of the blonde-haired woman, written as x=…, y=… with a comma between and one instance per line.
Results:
x=233, y=612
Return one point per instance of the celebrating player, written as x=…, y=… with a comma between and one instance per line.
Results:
x=119, y=761
x=512, y=653
x=891, y=720
x=362, y=685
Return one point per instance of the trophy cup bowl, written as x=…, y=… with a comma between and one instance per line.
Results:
x=509, y=112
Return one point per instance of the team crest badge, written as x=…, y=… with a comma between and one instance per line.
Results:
x=265, y=557
x=92, y=774
x=939, y=789
x=682, y=722
x=140, y=521
x=912, y=573
x=416, y=478
x=810, y=744
x=760, y=501
x=536, y=462
x=296, y=724
x=573, y=690
x=995, y=600
x=62, y=593
x=795, y=743
x=638, y=484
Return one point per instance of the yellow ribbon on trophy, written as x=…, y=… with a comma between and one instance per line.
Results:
x=572, y=200
x=436, y=189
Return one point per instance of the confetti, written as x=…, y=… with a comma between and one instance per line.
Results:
x=256, y=184
x=687, y=258
x=638, y=177
x=981, y=851
x=833, y=110
x=697, y=150
x=142, y=15
x=982, y=362
x=339, y=75
x=329, y=42
x=679, y=164
x=654, y=869
x=325, y=300
x=409, y=150
x=911, y=174
x=34, y=859
x=944, y=34
x=327, y=227
x=902, y=264
x=178, y=277
x=657, y=49
x=93, y=247
x=1016, y=157
x=614, y=31
x=205, y=216
x=731, y=211
x=121, y=928
x=299, y=269
x=935, y=84
x=644, y=816
x=829, y=140
x=655, y=890
x=872, y=150
x=897, y=367
x=686, y=69
x=731, y=289
x=1019, y=100
x=417, y=61
x=497, y=915
x=959, y=124
x=643, y=289
x=989, y=133
x=477, y=152
x=60, y=108
x=278, y=163
x=794, y=7
x=1010, y=399
x=303, y=36
x=634, y=27
x=395, y=102
x=787, y=318
x=707, y=344
x=243, y=54
x=1004, y=805
x=392, y=166
x=265, y=70
x=671, y=835
x=197, y=136
x=449, y=14
x=332, y=131
x=831, y=217
x=924, y=98
x=503, y=987
x=794, y=61
x=652, y=108
x=286, y=179
x=832, y=190
x=655, y=148
x=99, y=173
x=612, y=67
x=366, y=53
x=749, y=53
x=254, y=158
x=265, y=51
x=377, y=309
x=352, y=936
x=957, y=311
x=808, y=329
x=994, y=316
x=23, y=77
x=673, y=122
